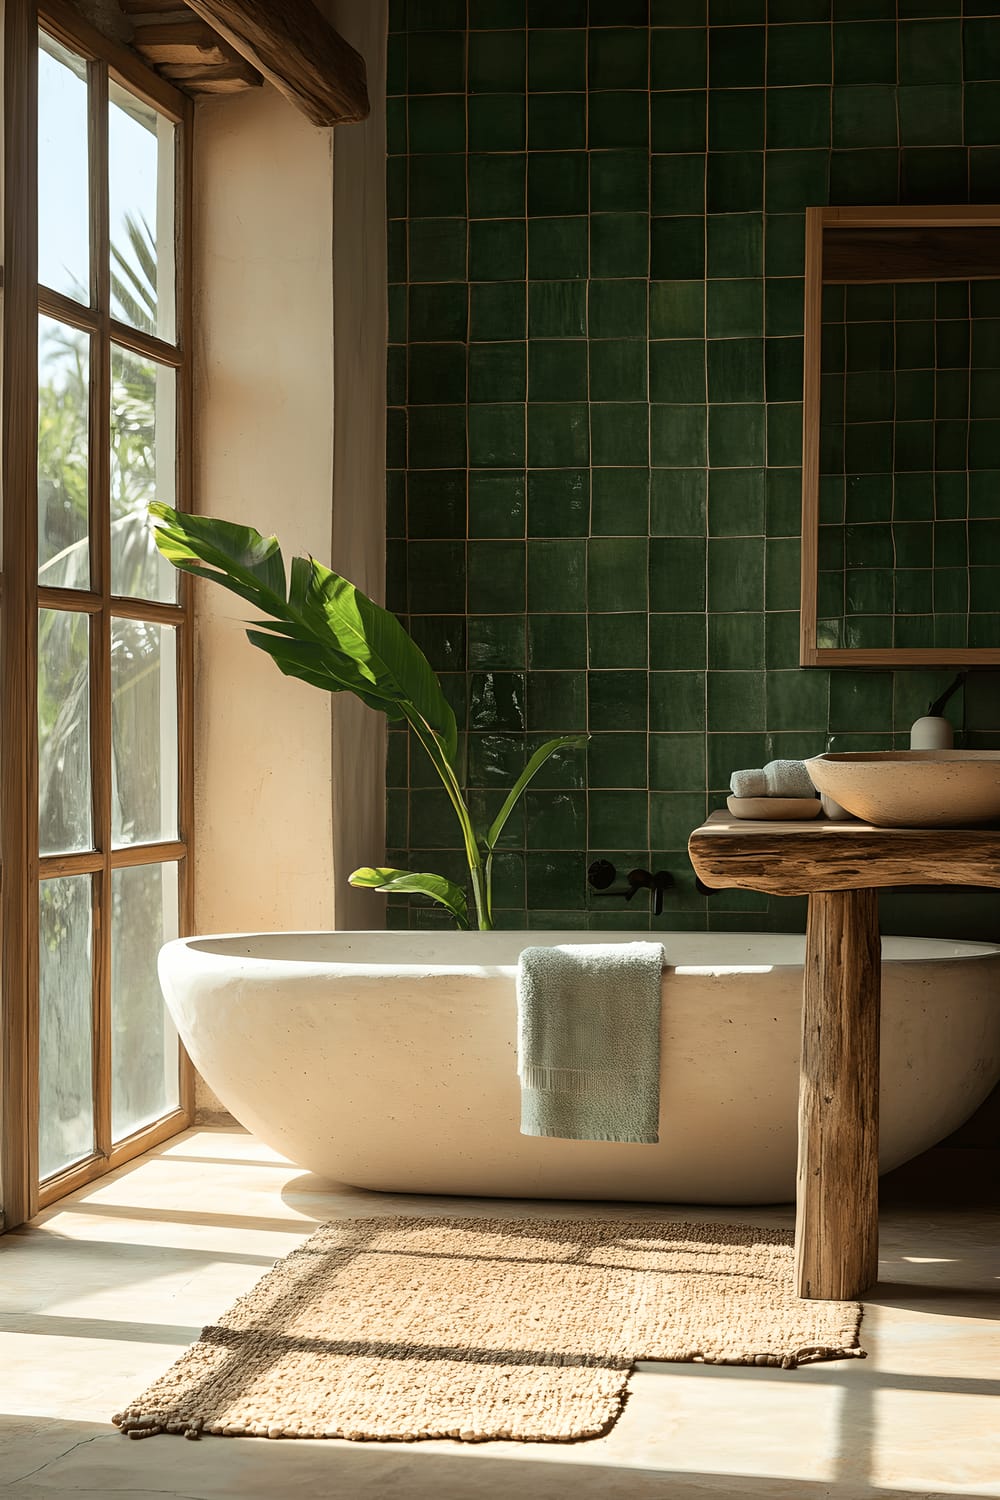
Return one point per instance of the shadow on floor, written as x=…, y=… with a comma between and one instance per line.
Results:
x=41, y=1459
x=946, y=1177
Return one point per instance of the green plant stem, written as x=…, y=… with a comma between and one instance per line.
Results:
x=480, y=890
x=481, y=878
x=488, y=869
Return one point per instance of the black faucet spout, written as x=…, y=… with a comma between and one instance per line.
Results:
x=637, y=880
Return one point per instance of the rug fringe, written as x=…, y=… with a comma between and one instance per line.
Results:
x=790, y=1361
x=136, y=1426
x=811, y=1356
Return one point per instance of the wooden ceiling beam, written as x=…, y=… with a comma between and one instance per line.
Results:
x=157, y=10
x=190, y=41
x=180, y=46
x=298, y=51
x=212, y=78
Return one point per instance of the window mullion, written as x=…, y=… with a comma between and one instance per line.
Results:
x=100, y=640
x=19, y=644
x=138, y=342
x=57, y=305
x=184, y=229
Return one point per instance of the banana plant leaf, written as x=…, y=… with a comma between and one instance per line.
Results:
x=322, y=630
x=374, y=639
x=383, y=878
x=310, y=662
x=235, y=555
x=535, y=764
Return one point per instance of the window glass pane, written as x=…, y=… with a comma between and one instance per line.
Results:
x=65, y=1024
x=144, y=1043
x=143, y=467
x=143, y=732
x=141, y=194
x=63, y=451
x=63, y=171
x=64, y=802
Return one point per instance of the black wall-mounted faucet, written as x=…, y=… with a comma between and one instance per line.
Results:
x=601, y=877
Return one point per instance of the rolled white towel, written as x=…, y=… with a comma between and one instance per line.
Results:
x=779, y=778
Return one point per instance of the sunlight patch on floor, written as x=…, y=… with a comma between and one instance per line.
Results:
x=106, y=1290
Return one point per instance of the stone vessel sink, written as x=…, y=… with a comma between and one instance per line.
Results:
x=913, y=788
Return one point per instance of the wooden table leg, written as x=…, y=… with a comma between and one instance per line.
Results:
x=836, y=1219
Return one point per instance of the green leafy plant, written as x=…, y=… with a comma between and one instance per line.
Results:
x=323, y=630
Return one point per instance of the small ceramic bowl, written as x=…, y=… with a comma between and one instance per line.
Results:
x=913, y=788
x=774, y=809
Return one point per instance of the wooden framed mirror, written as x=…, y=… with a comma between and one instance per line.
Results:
x=901, y=437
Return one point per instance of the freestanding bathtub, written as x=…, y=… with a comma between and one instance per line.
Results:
x=387, y=1060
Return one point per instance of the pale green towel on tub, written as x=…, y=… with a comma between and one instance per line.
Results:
x=588, y=1041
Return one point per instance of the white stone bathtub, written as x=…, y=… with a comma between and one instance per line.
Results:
x=387, y=1060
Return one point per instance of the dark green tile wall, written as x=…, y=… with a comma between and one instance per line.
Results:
x=595, y=353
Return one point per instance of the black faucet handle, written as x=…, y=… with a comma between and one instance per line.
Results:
x=662, y=878
x=601, y=874
x=657, y=883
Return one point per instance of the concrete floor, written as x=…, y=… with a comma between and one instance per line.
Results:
x=100, y=1294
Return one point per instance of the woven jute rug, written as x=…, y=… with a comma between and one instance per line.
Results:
x=406, y=1328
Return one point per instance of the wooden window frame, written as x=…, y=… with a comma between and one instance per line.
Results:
x=22, y=597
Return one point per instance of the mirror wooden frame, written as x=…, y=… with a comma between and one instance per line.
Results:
x=878, y=244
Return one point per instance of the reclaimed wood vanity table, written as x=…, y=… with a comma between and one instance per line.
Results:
x=839, y=866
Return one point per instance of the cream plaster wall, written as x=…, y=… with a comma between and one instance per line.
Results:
x=263, y=455
x=263, y=442
x=289, y=435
